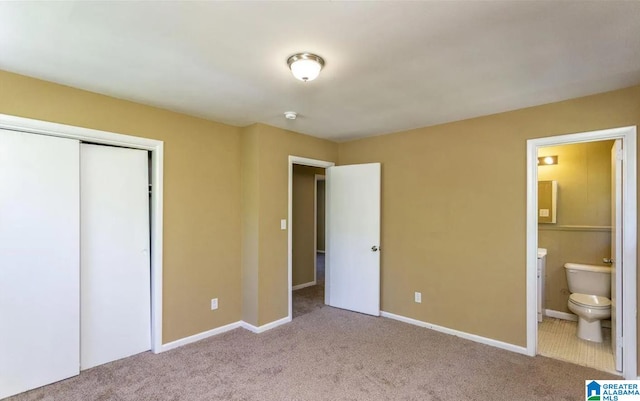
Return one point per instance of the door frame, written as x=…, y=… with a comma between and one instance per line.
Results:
x=303, y=161
x=629, y=235
x=156, y=147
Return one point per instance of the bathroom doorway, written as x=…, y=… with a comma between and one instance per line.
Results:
x=575, y=228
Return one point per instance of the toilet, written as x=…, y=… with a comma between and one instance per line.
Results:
x=590, y=288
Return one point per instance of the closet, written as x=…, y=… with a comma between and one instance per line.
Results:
x=74, y=257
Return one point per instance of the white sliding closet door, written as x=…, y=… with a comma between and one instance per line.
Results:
x=115, y=265
x=39, y=260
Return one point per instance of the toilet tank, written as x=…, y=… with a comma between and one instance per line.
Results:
x=589, y=279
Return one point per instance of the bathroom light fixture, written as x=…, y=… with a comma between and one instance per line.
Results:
x=547, y=160
x=305, y=66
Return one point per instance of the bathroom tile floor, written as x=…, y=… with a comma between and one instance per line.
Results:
x=557, y=339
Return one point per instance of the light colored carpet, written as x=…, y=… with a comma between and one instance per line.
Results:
x=328, y=354
x=308, y=299
x=557, y=339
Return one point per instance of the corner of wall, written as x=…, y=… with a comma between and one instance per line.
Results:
x=249, y=153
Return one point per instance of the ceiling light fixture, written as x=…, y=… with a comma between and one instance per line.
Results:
x=305, y=66
x=548, y=160
x=290, y=115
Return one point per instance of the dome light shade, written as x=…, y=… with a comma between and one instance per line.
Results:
x=305, y=66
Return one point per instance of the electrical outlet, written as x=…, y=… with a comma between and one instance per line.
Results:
x=418, y=297
x=214, y=304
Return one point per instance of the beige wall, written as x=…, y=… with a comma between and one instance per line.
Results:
x=454, y=210
x=250, y=177
x=443, y=186
x=321, y=215
x=546, y=195
x=275, y=145
x=201, y=193
x=225, y=191
x=582, y=233
x=303, y=224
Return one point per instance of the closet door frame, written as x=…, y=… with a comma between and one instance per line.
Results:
x=156, y=148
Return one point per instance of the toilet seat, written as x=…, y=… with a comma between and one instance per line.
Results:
x=590, y=301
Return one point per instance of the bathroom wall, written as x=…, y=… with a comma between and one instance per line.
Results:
x=582, y=233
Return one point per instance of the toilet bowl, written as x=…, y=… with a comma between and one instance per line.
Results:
x=591, y=310
x=590, y=288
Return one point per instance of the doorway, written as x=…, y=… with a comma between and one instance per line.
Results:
x=626, y=288
x=574, y=226
x=352, y=235
x=307, y=265
x=306, y=284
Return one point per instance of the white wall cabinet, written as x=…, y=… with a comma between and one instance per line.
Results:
x=53, y=308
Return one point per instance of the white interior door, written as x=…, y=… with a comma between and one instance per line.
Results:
x=39, y=260
x=115, y=265
x=353, y=238
x=616, y=253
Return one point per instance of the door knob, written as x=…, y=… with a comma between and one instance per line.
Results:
x=374, y=248
x=607, y=260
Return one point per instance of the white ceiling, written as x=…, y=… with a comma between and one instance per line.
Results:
x=390, y=66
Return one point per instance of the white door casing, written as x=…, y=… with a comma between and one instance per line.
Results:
x=39, y=260
x=628, y=240
x=114, y=254
x=616, y=253
x=353, y=238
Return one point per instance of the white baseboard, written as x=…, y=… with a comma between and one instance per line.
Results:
x=461, y=334
x=220, y=330
x=570, y=316
x=199, y=336
x=560, y=315
x=267, y=326
x=319, y=251
x=305, y=285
